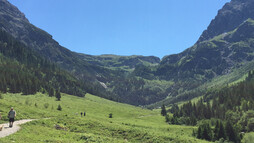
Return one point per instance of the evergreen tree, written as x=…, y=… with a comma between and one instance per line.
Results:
x=58, y=95
x=222, y=133
x=231, y=133
x=51, y=92
x=207, y=132
x=199, y=134
x=59, y=107
x=216, y=131
x=163, y=110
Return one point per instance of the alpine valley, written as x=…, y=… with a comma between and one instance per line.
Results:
x=202, y=94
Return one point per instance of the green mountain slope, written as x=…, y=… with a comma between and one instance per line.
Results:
x=24, y=70
x=215, y=62
x=129, y=123
x=127, y=63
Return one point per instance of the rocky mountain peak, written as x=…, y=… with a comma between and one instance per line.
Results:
x=10, y=11
x=229, y=17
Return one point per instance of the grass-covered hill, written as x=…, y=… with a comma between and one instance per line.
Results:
x=128, y=123
x=128, y=63
x=212, y=62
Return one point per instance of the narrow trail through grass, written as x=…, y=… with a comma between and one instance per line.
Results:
x=6, y=130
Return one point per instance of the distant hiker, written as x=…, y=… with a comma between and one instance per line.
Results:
x=11, y=116
x=84, y=114
x=81, y=114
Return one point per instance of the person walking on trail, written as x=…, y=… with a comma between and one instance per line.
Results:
x=11, y=116
x=84, y=114
x=81, y=114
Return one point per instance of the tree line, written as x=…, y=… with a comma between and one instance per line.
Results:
x=22, y=70
x=231, y=108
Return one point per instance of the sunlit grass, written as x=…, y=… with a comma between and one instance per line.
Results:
x=129, y=123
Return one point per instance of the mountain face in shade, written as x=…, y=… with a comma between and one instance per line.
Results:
x=93, y=70
x=229, y=17
x=14, y=22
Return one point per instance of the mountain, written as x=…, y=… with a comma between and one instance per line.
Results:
x=225, y=47
x=100, y=72
x=24, y=70
x=121, y=62
x=229, y=17
x=221, y=51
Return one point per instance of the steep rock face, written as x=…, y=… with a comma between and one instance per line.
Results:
x=229, y=17
x=12, y=11
x=213, y=57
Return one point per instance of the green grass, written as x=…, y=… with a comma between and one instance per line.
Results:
x=248, y=138
x=129, y=123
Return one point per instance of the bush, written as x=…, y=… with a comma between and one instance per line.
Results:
x=250, y=125
x=110, y=115
x=59, y=108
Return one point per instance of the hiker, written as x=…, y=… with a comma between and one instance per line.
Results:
x=11, y=116
x=84, y=114
x=81, y=114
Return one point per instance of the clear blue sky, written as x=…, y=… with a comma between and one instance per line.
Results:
x=122, y=27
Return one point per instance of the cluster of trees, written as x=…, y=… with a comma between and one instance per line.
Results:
x=232, y=106
x=221, y=131
x=22, y=70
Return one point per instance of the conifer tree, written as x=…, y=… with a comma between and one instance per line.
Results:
x=231, y=133
x=207, y=132
x=59, y=107
x=199, y=134
x=51, y=92
x=222, y=133
x=216, y=130
x=58, y=95
x=163, y=110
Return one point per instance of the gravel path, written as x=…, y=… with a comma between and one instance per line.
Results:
x=6, y=130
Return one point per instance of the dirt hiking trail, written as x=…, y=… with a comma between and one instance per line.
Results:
x=6, y=130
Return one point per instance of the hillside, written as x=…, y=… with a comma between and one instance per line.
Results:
x=92, y=70
x=232, y=107
x=221, y=54
x=127, y=63
x=140, y=80
x=229, y=17
x=129, y=123
x=25, y=71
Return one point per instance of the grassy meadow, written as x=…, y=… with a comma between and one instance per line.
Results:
x=129, y=123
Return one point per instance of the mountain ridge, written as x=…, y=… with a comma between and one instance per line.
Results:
x=142, y=80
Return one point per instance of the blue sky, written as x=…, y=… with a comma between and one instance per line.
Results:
x=122, y=27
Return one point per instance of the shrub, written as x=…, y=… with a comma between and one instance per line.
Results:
x=59, y=108
x=110, y=115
